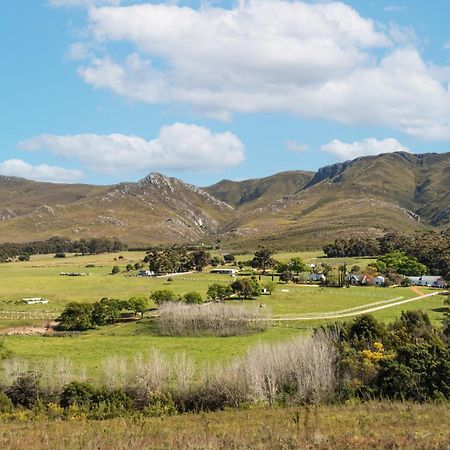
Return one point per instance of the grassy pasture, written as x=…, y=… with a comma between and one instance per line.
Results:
x=40, y=277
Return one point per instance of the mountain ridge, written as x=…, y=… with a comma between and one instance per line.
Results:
x=369, y=195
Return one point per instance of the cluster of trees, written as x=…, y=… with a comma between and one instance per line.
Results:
x=59, y=246
x=406, y=360
x=431, y=249
x=176, y=259
x=398, y=262
x=243, y=288
x=84, y=316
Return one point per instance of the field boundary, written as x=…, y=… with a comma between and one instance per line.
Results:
x=363, y=309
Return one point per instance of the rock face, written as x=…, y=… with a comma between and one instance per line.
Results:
x=367, y=195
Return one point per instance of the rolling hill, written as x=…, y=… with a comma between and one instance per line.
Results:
x=295, y=209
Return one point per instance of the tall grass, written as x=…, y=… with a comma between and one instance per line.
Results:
x=302, y=370
x=218, y=319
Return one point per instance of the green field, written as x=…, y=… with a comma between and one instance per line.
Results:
x=40, y=278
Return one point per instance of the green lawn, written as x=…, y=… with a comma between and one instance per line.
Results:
x=90, y=349
x=305, y=300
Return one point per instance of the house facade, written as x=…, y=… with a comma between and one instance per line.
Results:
x=428, y=281
x=316, y=277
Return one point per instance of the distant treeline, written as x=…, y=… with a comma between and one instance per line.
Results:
x=431, y=249
x=60, y=245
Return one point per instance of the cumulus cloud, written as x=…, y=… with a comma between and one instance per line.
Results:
x=42, y=172
x=317, y=60
x=178, y=147
x=366, y=147
x=298, y=147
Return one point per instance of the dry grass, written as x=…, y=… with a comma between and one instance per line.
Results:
x=361, y=426
x=217, y=319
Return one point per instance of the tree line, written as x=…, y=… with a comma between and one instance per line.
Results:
x=431, y=249
x=59, y=245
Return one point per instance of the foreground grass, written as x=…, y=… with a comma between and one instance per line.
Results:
x=89, y=350
x=372, y=425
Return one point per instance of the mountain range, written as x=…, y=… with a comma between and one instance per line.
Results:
x=296, y=209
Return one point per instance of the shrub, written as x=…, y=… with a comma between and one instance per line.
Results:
x=115, y=270
x=193, y=298
x=6, y=405
x=76, y=393
x=25, y=390
x=60, y=255
x=215, y=319
x=163, y=296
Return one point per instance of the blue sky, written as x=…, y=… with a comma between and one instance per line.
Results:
x=101, y=91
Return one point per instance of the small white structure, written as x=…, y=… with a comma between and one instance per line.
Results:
x=356, y=279
x=35, y=301
x=379, y=281
x=230, y=272
x=316, y=277
x=428, y=281
x=146, y=273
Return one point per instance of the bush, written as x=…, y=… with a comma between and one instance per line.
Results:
x=217, y=319
x=25, y=390
x=6, y=405
x=77, y=394
x=193, y=298
x=87, y=396
x=115, y=270
x=163, y=296
x=60, y=255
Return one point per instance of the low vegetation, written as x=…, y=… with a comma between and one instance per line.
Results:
x=369, y=425
x=215, y=319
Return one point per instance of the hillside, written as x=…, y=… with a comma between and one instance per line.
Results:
x=397, y=191
x=252, y=194
x=296, y=209
x=157, y=209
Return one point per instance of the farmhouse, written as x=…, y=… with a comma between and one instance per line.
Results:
x=356, y=279
x=231, y=272
x=315, y=277
x=429, y=281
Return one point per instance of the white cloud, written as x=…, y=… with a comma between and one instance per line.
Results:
x=79, y=51
x=178, y=147
x=42, y=172
x=294, y=146
x=366, y=147
x=317, y=60
x=394, y=8
x=85, y=3
x=447, y=46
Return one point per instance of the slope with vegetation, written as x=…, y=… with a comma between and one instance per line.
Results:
x=367, y=196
